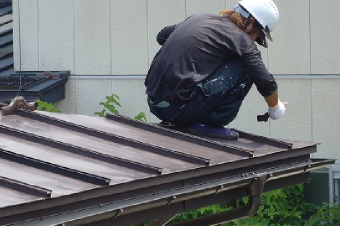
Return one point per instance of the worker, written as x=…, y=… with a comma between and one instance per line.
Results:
x=207, y=65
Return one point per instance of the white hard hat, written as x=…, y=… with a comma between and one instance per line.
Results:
x=264, y=11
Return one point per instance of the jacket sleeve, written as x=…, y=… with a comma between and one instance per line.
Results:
x=264, y=81
x=163, y=35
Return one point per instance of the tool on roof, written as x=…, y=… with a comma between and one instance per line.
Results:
x=265, y=116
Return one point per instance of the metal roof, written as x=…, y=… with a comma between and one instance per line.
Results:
x=48, y=86
x=75, y=169
x=6, y=37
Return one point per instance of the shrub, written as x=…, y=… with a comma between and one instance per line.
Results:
x=282, y=207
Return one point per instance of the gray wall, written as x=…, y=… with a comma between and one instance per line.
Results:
x=109, y=44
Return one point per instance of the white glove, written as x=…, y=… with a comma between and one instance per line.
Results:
x=277, y=111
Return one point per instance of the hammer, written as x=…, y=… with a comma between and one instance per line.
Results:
x=265, y=116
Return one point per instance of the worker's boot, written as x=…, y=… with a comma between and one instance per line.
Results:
x=209, y=131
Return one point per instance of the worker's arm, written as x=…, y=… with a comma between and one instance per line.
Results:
x=276, y=109
x=273, y=99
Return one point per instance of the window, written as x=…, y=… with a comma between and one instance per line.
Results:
x=334, y=184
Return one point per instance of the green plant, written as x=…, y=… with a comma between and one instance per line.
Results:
x=45, y=106
x=111, y=104
x=204, y=211
x=141, y=117
x=282, y=207
x=325, y=215
x=285, y=206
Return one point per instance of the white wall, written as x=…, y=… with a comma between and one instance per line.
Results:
x=109, y=44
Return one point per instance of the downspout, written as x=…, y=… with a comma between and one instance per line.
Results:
x=255, y=191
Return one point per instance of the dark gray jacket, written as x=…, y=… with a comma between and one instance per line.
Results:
x=194, y=49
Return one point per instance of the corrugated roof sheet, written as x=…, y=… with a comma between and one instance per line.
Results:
x=48, y=86
x=6, y=38
x=53, y=160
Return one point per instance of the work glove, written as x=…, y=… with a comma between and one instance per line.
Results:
x=277, y=111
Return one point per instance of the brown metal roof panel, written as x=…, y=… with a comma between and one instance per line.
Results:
x=11, y=197
x=87, y=140
x=249, y=145
x=219, y=151
x=96, y=134
x=154, y=135
x=262, y=149
x=64, y=147
x=59, y=184
x=90, y=143
x=247, y=142
x=117, y=174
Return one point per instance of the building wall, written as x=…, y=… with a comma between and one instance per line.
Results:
x=108, y=46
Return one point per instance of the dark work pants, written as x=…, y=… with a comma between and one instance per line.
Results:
x=217, y=101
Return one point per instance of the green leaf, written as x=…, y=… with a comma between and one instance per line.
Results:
x=115, y=112
x=141, y=117
x=111, y=108
x=113, y=99
x=45, y=106
x=101, y=113
x=116, y=102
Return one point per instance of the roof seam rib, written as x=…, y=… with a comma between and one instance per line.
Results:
x=114, y=138
x=183, y=136
x=53, y=168
x=25, y=188
x=79, y=151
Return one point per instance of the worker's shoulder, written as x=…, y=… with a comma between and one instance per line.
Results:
x=203, y=16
